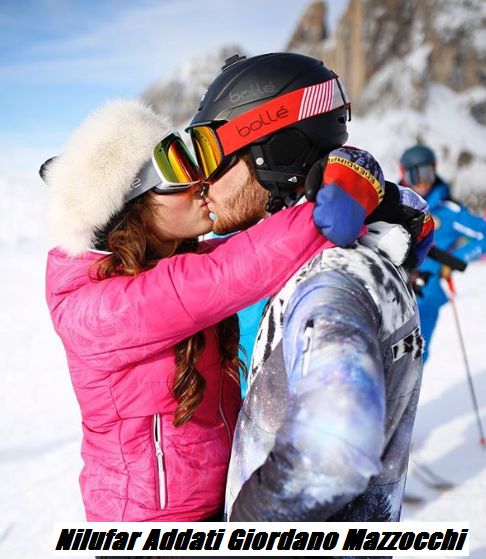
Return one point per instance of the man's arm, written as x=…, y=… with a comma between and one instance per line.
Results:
x=332, y=436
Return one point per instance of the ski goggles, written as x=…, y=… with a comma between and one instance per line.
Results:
x=215, y=145
x=210, y=153
x=171, y=169
x=413, y=175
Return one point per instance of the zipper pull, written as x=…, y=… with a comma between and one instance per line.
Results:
x=160, y=461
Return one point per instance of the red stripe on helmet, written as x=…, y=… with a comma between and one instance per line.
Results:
x=260, y=121
x=278, y=113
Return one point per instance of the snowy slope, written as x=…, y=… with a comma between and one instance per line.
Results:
x=40, y=427
x=446, y=434
x=445, y=124
x=22, y=207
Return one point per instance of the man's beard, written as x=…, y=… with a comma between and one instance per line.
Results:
x=243, y=207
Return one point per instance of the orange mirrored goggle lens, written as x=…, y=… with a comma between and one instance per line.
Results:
x=174, y=161
x=181, y=162
x=208, y=151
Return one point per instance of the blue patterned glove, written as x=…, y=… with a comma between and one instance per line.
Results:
x=338, y=216
x=349, y=190
x=349, y=186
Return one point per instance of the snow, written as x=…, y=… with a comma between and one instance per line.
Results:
x=396, y=82
x=445, y=124
x=22, y=207
x=455, y=16
x=446, y=435
x=40, y=428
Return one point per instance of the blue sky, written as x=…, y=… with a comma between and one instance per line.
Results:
x=59, y=59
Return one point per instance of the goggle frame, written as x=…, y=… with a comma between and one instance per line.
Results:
x=160, y=172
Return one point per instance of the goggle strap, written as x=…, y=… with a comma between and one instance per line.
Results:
x=280, y=112
x=149, y=178
x=146, y=179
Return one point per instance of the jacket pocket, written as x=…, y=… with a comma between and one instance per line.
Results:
x=159, y=455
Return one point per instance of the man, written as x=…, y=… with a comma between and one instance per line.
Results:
x=325, y=429
x=454, y=224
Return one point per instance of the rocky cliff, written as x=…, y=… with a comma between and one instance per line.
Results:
x=178, y=96
x=415, y=70
x=433, y=41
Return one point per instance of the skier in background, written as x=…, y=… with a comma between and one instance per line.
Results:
x=457, y=231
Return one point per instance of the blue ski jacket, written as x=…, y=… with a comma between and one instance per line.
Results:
x=453, y=222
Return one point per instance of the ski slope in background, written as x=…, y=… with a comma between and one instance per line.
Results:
x=446, y=435
x=40, y=428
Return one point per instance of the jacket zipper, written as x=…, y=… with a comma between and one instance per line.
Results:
x=221, y=408
x=159, y=454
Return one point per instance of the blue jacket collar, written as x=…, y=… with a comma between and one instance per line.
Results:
x=438, y=193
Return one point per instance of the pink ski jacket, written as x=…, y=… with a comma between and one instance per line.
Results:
x=119, y=336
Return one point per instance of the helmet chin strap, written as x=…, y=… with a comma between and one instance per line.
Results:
x=276, y=202
x=279, y=192
x=280, y=184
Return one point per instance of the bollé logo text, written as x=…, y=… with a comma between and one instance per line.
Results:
x=263, y=119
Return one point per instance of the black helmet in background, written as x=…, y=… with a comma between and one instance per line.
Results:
x=288, y=110
x=417, y=164
x=417, y=156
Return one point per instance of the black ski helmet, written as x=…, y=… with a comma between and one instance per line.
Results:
x=417, y=156
x=417, y=164
x=314, y=121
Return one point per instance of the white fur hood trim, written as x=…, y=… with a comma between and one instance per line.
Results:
x=88, y=182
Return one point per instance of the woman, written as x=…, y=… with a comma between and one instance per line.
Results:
x=152, y=341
